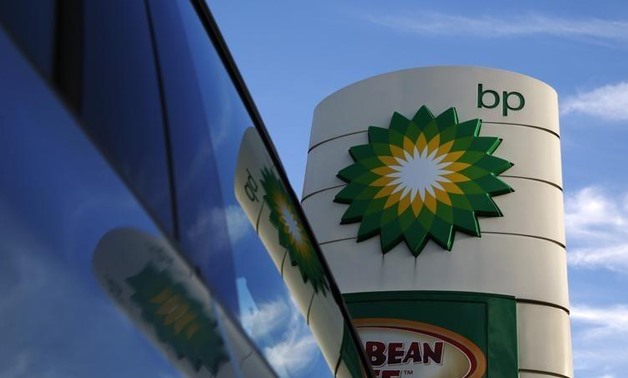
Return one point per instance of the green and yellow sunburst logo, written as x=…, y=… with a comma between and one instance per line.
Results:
x=422, y=178
x=179, y=321
x=292, y=234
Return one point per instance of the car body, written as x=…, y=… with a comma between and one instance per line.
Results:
x=148, y=227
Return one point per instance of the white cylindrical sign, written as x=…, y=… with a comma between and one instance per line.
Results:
x=436, y=196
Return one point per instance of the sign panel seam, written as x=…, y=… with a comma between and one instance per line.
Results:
x=540, y=128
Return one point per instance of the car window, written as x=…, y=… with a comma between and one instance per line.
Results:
x=89, y=285
x=31, y=23
x=120, y=105
x=99, y=56
x=58, y=198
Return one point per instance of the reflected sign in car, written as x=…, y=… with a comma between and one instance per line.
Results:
x=273, y=214
x=161, y=294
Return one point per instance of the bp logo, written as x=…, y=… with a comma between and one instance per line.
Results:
x=179, y=321
x=422, y=178
x=292, y=235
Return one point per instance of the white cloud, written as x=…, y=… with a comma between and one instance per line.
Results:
x=597, y=225
x=283, y=334
x=596, y=222
x=294, y=352
x=592, y=213
x=433, y=23
x=611, y=257
x=602, y=322
x=600, y=340
x=609, y=102
x=237, y=223
x=279, y=329
x=267, y=318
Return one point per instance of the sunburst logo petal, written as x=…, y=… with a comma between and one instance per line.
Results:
x=422, y=179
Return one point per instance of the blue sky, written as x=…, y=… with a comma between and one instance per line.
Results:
x=293, y=54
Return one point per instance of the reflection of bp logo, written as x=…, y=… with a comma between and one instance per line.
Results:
x=179, y=321
x=292, y=235
x=422, y=179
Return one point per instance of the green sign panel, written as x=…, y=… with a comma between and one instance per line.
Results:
x=437, y=334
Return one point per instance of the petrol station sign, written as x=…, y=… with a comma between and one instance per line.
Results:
x=436, y=196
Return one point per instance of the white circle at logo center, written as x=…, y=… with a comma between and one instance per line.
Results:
x=418, y=173
x=291, y=224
